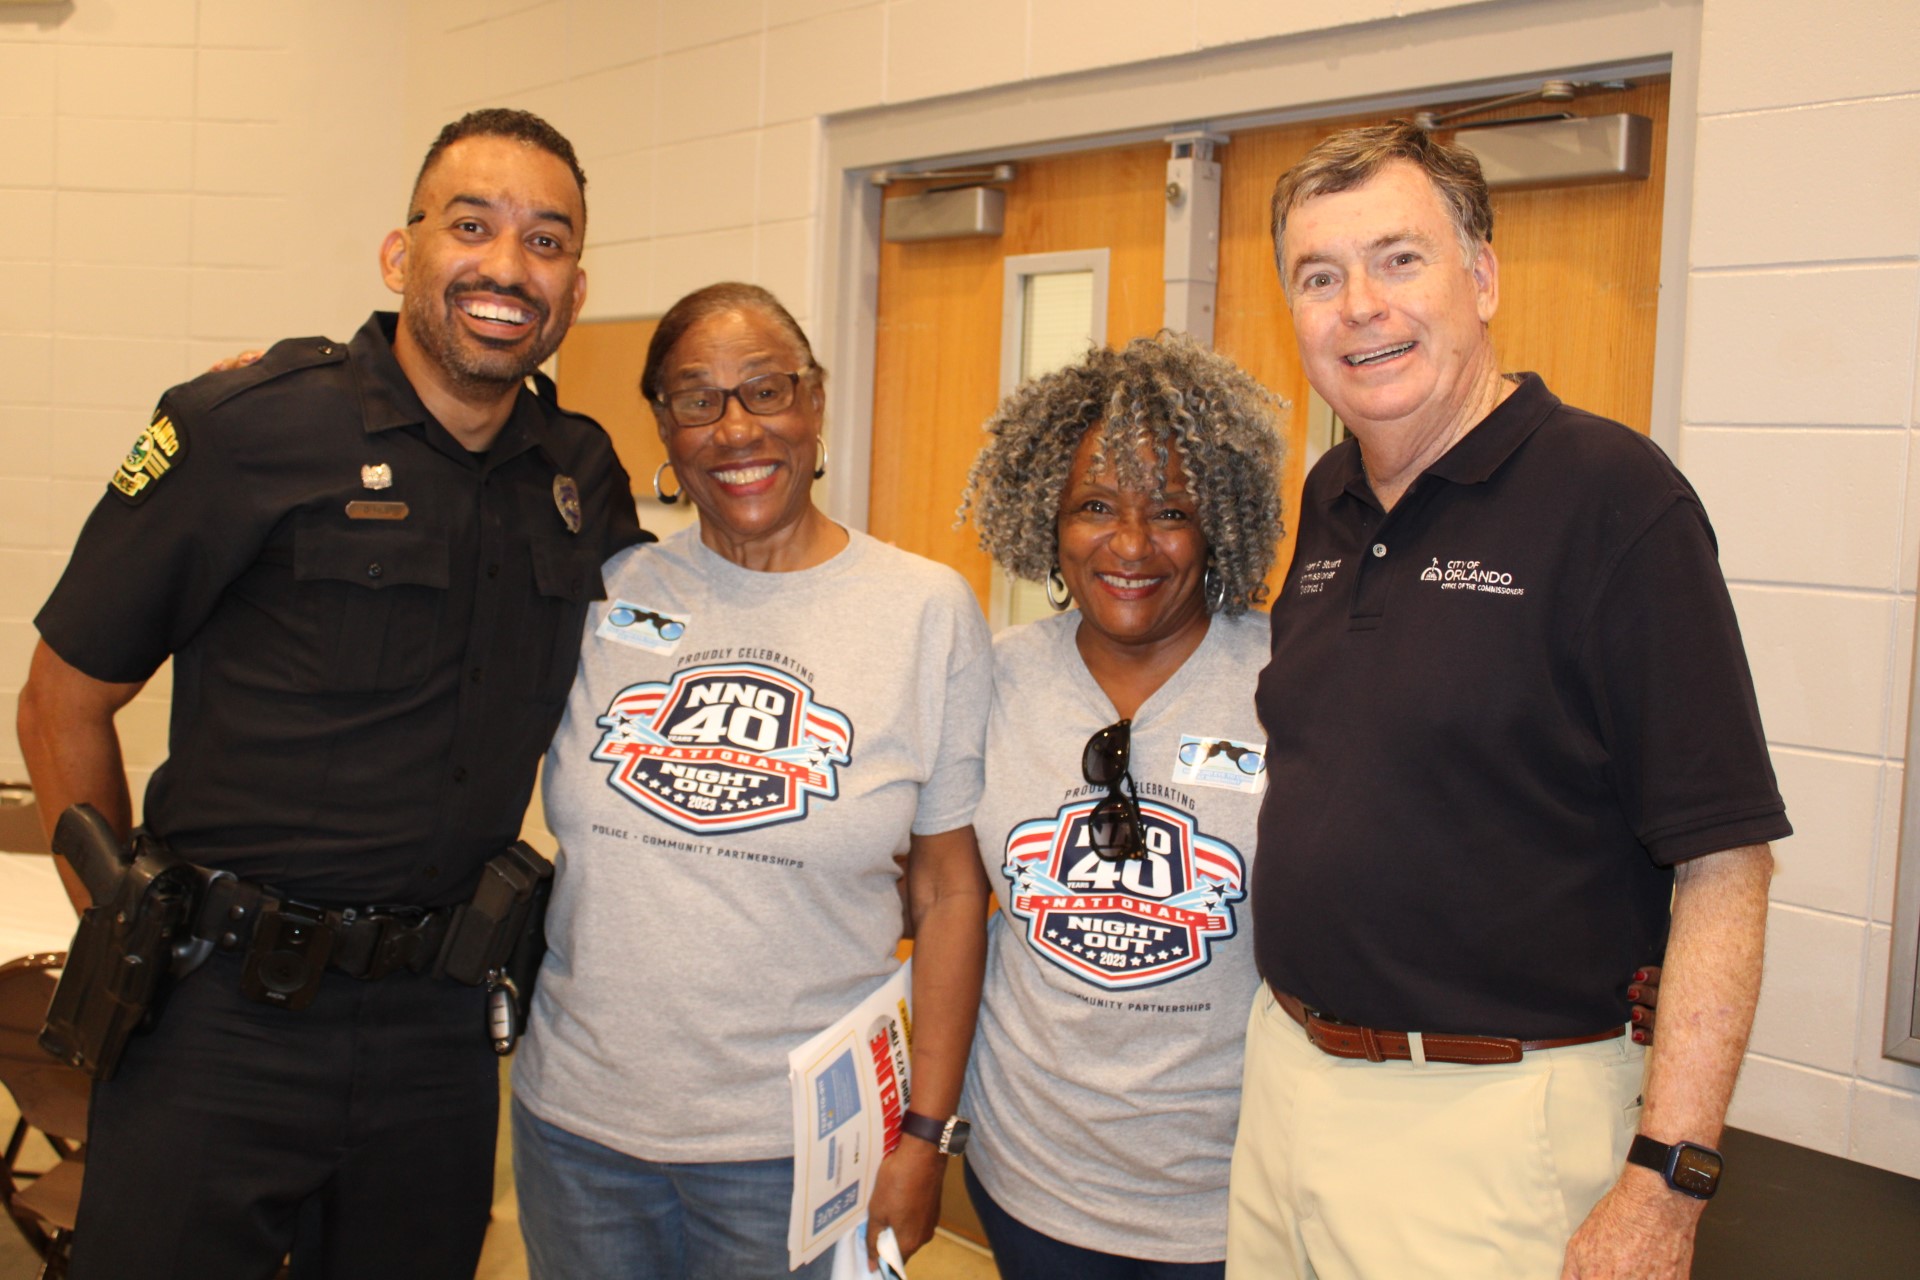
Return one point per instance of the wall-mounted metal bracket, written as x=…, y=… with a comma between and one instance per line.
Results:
x=1549, y=91
x=983, y=174
x=1192, y=272
x=1560, y=153
x=954, y=214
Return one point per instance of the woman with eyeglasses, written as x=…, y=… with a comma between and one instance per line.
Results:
x=768, y=707
x=1124, y=775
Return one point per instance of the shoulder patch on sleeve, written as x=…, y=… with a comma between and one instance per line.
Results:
x=156, y=452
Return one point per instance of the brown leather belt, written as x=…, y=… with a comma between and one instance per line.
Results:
x=1344, y=1040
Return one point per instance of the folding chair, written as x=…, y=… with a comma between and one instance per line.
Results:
x=20, y=829
x=52, y=1099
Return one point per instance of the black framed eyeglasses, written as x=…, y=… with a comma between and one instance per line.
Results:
x=664, y=627
x=1246, y=759
x=768, y=394
x=1113, y=827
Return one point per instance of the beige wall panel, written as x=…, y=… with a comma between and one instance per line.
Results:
x=599, y=375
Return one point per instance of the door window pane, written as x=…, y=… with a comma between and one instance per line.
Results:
x=1056, y=321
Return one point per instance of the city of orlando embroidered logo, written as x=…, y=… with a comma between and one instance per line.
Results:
x=1124, y=925
x=724, y=748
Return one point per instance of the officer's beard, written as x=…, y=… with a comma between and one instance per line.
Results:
x=471, y=362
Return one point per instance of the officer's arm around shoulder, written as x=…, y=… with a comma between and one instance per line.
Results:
x=65, y=722
x=232, y=377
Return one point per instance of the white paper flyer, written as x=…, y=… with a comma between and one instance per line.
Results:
x=850, y=1088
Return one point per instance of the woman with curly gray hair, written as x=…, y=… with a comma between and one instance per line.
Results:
x=1124, y=774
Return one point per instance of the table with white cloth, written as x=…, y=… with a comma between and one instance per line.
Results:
x=35, y=914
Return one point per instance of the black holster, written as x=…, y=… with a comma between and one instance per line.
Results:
x=117, y=967
x=499, y=939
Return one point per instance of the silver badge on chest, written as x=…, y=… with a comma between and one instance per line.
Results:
x=566, y=500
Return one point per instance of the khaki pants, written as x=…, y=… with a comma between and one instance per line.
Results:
x=1349, y=1169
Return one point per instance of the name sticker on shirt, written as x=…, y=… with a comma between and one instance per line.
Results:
x=642, y=628
x=1223, y=763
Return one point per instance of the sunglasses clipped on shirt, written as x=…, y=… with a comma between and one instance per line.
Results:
x=1113, y=827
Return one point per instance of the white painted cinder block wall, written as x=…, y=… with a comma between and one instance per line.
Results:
x=151, y=226
x=1802, y=432
x=178, y=179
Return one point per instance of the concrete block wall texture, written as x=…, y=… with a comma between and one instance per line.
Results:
x=252, y=211
x=1800, y=431
x=178, y=179
x=711, y=110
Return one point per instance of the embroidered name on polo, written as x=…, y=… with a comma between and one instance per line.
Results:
x=1315, y=576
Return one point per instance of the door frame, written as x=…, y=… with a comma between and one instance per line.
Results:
x=1490, y=49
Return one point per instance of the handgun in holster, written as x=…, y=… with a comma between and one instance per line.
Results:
x=499, y=938
x=117, y=967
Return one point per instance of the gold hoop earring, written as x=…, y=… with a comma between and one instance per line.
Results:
x=665, y=499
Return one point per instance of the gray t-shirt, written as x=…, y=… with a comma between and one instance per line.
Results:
x=1105, y=1080
x=742, y=755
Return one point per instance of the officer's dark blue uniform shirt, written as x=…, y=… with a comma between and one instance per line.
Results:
x=373, y=629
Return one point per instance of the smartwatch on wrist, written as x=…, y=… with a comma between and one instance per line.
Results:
x=949, y=1135
x=1688, y=1167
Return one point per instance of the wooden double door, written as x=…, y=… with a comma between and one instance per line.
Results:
x=1579, y=283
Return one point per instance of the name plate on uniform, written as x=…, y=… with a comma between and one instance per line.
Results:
x=376, y=511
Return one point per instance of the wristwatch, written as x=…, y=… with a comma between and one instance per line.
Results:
x=950, y=1135
x=1688, y=1167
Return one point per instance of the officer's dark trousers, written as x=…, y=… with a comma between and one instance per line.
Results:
x=356, y=1134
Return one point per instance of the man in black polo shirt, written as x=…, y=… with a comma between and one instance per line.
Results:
x=369, y=562
x=1509, y=722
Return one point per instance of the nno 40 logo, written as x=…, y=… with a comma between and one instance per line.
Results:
x=724, y=748
x=1124, y=925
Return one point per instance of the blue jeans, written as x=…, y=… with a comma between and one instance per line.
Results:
x=588, y=1212
x=1021, y=1253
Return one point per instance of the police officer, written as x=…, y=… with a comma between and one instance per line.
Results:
x=369, y=561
